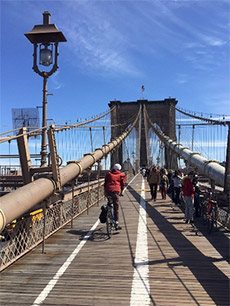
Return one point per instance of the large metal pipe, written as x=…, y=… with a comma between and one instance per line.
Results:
x=18, y=202
x=210, y=168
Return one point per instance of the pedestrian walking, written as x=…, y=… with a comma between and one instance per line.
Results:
x=196, y=196
x=177, y=187
x=188, y=192
x=164, y=184
x=154, y=181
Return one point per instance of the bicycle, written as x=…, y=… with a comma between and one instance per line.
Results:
x=110, y=221
x=209, y=213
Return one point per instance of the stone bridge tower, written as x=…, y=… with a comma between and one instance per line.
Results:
x=160, y=112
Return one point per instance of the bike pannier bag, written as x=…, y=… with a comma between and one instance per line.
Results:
x=103, y=214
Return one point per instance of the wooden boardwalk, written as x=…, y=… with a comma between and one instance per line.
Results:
x=181, y=268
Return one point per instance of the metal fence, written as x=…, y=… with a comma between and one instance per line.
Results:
x=223, y=217
x=24, y=234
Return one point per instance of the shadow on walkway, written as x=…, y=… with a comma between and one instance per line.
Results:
x=98, y=235
x=214, y=281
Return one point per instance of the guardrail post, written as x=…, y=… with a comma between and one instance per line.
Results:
x=54, y=158
x=44, y=227
x=24, y=155
x=98, y=179
x=89, y=171
x=73, y=199
x=227, y=170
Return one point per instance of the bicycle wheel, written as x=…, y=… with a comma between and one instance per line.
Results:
x=109, y=223
x=215, y=218
x=204, y=215
x=211, y=222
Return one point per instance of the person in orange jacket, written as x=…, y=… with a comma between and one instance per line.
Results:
x=114, y=185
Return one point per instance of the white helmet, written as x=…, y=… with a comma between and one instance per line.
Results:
x=117, y=167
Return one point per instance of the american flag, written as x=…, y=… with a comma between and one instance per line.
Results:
x=142, y=87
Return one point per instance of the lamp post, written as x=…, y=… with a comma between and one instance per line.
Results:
x=46, y=36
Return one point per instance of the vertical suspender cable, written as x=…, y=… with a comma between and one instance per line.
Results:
x=193, y=129
x=103, y=129
x=91, y=138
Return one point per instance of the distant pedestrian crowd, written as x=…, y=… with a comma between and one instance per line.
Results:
x=178, y=186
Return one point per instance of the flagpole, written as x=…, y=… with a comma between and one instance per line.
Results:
x=142, y=90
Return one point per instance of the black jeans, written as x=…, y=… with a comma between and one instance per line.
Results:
x=177, y=195
x=153, y=191
x=116, y=203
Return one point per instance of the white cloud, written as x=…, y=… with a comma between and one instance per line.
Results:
x=96, y=43
x=181, y=78
x=55, y=81
x=104, y=37
x=212, y=41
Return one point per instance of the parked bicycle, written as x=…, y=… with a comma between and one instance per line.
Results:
x=209, y=212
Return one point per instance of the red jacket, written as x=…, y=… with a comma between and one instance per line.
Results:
x=114, y=181
x=188, y=189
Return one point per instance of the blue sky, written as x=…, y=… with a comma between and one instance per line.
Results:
x=176, y=48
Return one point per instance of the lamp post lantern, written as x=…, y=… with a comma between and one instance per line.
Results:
x=46, y=36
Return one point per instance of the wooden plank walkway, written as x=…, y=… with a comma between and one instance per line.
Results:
x=182, y=268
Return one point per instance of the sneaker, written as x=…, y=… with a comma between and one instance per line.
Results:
x=118, y=227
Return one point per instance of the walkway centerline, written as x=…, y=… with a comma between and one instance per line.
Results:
x=140, y=293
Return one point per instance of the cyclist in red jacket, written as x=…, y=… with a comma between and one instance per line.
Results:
x=114, y=186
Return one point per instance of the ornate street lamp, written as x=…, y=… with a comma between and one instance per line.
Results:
x=46, y=36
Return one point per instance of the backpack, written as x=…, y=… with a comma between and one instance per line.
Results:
x=103, y=214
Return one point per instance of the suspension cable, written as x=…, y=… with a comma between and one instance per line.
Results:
x=201, y=118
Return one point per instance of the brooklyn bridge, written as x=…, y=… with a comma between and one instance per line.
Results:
x=53, y=248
